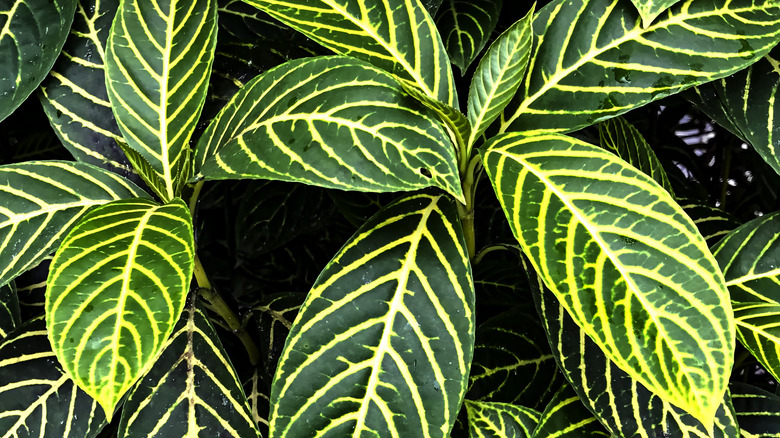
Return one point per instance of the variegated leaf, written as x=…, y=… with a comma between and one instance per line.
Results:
x=713, y=223
x=650, y=9
x=758, y=411
x=500, y=420
x=566, y=417
x=465, y=27
x=10, y=313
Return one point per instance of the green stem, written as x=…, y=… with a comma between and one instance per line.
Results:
x=194, y=197
x=225, y=312
x=466, y=211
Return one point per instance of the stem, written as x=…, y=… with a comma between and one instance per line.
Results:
x=194, y=198
x=466, y=211
x=225, y=312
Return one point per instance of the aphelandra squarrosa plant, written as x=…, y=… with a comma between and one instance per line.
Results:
x=638, y=312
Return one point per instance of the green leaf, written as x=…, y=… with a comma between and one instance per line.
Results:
x=625, y=261
x=10, y=313
x=621, y=138
x=465, y=27
x=257, y=390
x=500, y=420
x=109, y=316
x=335, y=122
x=156, y=83
x=192, y=389
x=593, y=60
x=275, y=315
x=74, y=94
x=498, y=76
x=36, y=398
x=31, y=36
x=384, y=341
x=758, y=411
x=650, y=9
x=750, y=259
x=395, y=35
x=745, y=104
x=713, y=223
x=39, y=203
x=566, y=417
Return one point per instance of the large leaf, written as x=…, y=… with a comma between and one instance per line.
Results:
x=593, y=60
x=498, y=76
x=158, y=63
x=10, y=312
x=466, y=27
x=758, y=411
x=40, y=201
x=500, y=420
x=32, y=33
x=625, y=261
x=750, y=259
x=74, y=94
x=566, y=417
x=192, y=389
x=396, y=35
x=116, y=288
x=384, y=341
x=37, y=399
x=335, y=122
x=746, y=104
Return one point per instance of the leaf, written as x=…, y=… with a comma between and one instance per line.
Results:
x=566, y=417
x=74, y=94
x=41, y=200
x=156, y=84
x=116, y=288
x=36, y=397
x=745, y=104
x=750, y=260
x=650, y=9
x=192, y=389
x=275, y=315
x=10, y=313
x=621, y=138
x=335, y=122
x=395, y=35
x=498, y=76
x=626, y=262
x=32, y=35
x=257, y=390
x=465, y=27
x=758, y=411
x=384, y=341
x=713, y=223
x=592, y=59
x=500, y=420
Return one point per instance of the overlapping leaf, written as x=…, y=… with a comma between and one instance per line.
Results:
x=116, y=288
x=10, y=313
x=158, y=63
x=566, y=417
x=625, y=261
x=500, y=420
x=465, y=27
x=74, y=94
x=746, y=104
x=36, y=398
x=593, y=60
x=713, y=223
x=40, y=201
x=275, y=315
x=750, y=259
x=257, y=390
x=758, y=411
x=335, y=122
x=32, y=33
x=192, y=389
x=498, y=76
x=384, y=341
x=398, y=36
x=650, y=9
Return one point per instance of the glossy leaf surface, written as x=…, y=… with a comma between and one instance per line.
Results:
x=398, y=36
x=40, y=201
x=32, y=33
x=465, y=27
x=500, y=420
x=109, y=316
x=625, y=261
x=335, y=122
x=158, y=62
x=593, y=60
x=384, y=340
x=191, y=391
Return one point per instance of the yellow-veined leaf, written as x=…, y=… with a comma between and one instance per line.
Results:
x=500, y=420
x=466, y=26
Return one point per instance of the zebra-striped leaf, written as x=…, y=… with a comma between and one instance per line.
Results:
x=750, y=259
x=746, y=104
x=566, y=417
x=32, y=33
x=498, y=76
x=257, y=390
x=158, y=63
x=398, y=36
x=500, y=420
x=116, y=288
x=384, y=341
x=593, y=60
x=625, y=261
x=74, y=94
x=758, y=411
x=465, y=27
x=192, y=389
x=37, y=399
x=335, y=122
x=10, y=313
x=650, y=9
x=713, y=223
x=40, y=201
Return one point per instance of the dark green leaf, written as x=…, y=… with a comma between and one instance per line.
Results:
x=465, y=27
x=10, y=313
x=650, y=9
x=566, y=417
x=713, y=223
x=500, y=420
x=758, y=411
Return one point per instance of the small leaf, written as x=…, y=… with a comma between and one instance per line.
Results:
x=465, y=27
x=713, y=223
x=10, y=313
x=116, y=288
x=566, y=417
x=758, y=411
x=650, y=9
x=500, y=420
